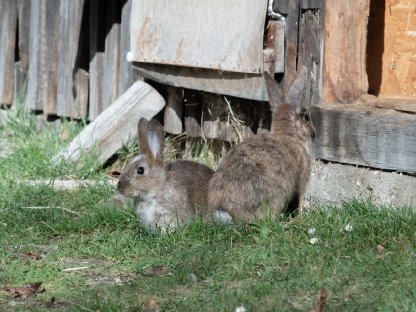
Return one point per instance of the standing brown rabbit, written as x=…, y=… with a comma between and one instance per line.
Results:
x=164, y=196
x=267, y=173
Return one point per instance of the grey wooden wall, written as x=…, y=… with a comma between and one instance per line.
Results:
x=65, y=58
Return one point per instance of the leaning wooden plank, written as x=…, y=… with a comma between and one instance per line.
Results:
x=116, y=125
x=8, y=20
x=43, y=57
x=70, y=19
x=367, y=136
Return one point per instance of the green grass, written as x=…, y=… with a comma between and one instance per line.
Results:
x=270, y=266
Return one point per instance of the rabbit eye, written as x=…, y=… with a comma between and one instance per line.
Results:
x=306, y=117
x=140, y=170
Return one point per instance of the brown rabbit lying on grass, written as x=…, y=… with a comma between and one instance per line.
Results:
x=267, y=173
x=164, y=196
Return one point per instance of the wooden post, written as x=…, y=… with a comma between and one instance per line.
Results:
x=173, y=111
x=193, y=114
x=344, y=69
x=43, y=57
x=8, y=19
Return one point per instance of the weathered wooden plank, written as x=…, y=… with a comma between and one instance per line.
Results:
x=127, y=74
x=228, y=83
x=43, y=57
x=173, y=111
x=281, y=6
x=70, y=19
x=22, y=65
x=112, y=53
x=116, y=125
x=97, y=47
x=8, y=20
x=362, y=135
x=291, y=47
x=344, y=69
x=215, y=34
x=23, y=9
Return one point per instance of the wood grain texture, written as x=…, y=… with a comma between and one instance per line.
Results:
x=215, y=34
x=367, y=136
x=116, y=125
x=399, y=57
x=111, y=77
x=127, y=74
x=97, y=57
x=173, y=111
x=228, y=83
x=43, y=57
x=8, y=21
x=344, y=72
x=69, y=102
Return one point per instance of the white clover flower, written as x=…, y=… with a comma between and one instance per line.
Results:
x=311, y=231
x=240, y=309
x=314, y=240
x=348, y=227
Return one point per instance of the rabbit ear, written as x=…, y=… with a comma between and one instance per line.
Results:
x=142, y=136
x=273, y=91
x=156, y=139
x=296, y=91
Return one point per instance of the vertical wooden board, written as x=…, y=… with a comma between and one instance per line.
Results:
x=112, y=53
x=127, y=74
x=173, y=111
x=23, y=9
x=8, y=19
x=97, y=46
x=21, y=66
x=345, y=34
x=70, y=19
x=292, y=28
x=43, y=57
x=399, y=57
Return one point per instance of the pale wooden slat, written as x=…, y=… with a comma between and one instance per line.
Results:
x=127, y=74
x=70, y=103
x=173, y=111
x=43, y=57
x=97, y=42
x=116, y=125
x=8, y=19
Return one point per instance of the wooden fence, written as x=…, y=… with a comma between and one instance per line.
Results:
x=67, y=58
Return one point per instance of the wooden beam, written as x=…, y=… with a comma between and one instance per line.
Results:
x=8, y=21
x=344, y=72
x=367, y=136
x=43, y=57
x=116, y=125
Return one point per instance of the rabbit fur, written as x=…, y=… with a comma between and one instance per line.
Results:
x=267, y=173
x=164, y=196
